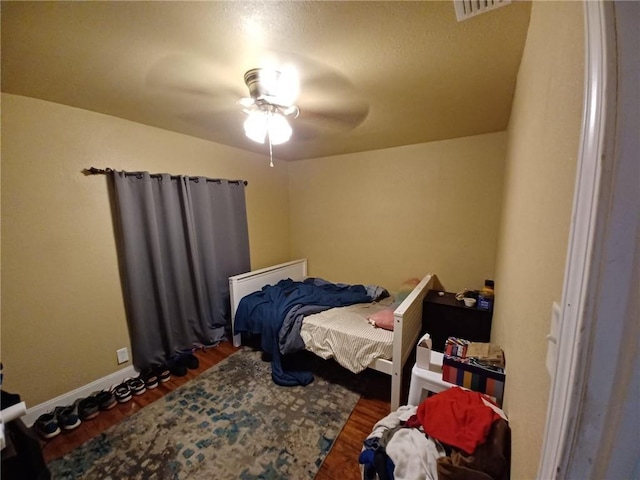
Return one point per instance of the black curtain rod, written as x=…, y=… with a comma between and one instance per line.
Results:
x=105, y=171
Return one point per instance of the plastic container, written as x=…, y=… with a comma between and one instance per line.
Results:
x=486, y=296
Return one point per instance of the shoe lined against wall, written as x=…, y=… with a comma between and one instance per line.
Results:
x=122, y=392
x=67, y=417
x=47, y=426
x=136, y=385
x=150, y=378
x=87, y=408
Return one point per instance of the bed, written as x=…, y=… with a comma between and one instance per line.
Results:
x=407, y=316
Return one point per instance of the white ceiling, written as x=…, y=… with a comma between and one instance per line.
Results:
x=374, y=74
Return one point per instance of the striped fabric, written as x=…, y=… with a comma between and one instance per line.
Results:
x=345, y=334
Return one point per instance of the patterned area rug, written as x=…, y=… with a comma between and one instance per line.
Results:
x=231, y=422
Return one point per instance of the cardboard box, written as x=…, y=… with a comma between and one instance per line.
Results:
x=423, y=352
x=468, y=373
x=486, y=353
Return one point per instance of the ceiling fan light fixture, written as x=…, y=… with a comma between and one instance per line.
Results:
x=261, y=123
x=255, y=127
x=270, y=101
x=279, y=129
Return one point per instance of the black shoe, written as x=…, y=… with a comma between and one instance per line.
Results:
x=150, y=378
x=87, y=408
x=177, y=367
x=136, y=385
x=122, y=392
x=190, y=361
x=182, y=361
x=105, y=399
x=162, y=372
x=67, y=417
x=47, y=426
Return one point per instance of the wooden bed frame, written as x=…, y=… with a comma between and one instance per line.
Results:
x=407, y=317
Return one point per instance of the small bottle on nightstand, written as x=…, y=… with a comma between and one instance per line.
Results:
x=485, y=297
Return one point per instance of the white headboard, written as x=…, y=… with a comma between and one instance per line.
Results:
x=246, y=283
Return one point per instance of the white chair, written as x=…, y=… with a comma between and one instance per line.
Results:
x=427, y=379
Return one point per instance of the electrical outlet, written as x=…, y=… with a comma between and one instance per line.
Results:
x=123, y=355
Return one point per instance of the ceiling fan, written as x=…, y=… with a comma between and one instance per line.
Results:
x=290, y=98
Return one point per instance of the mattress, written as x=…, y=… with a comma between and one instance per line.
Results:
x=345, y=334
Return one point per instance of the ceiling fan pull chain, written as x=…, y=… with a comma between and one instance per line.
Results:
x=269, y=138
x=270, y=152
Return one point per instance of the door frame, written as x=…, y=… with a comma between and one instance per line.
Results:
x=597, y=341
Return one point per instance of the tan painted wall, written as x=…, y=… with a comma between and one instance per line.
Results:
x=388, y=215
x=543, y=139
x=62, y=309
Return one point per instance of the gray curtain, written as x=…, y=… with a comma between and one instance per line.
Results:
x=180, y=239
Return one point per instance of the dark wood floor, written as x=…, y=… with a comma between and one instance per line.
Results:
x=341, y=463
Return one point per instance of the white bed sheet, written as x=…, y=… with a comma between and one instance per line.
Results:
x=345, y=334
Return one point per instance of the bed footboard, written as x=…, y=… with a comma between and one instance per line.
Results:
x=406, y=330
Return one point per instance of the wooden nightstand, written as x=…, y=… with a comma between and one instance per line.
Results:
x=444, y=316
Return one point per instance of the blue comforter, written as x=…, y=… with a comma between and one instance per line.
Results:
x=264, y=312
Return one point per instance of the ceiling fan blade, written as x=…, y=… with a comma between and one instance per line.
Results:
x=191, y=75
x=315, y=79
x=327, y=83
x=223, y=126
x=215, y=120
x=313, y=123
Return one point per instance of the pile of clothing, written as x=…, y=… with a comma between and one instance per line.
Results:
x=453, y=435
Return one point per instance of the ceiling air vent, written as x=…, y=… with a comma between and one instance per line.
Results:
x=470, y=8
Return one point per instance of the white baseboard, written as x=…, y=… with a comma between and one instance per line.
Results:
x=68, y=398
